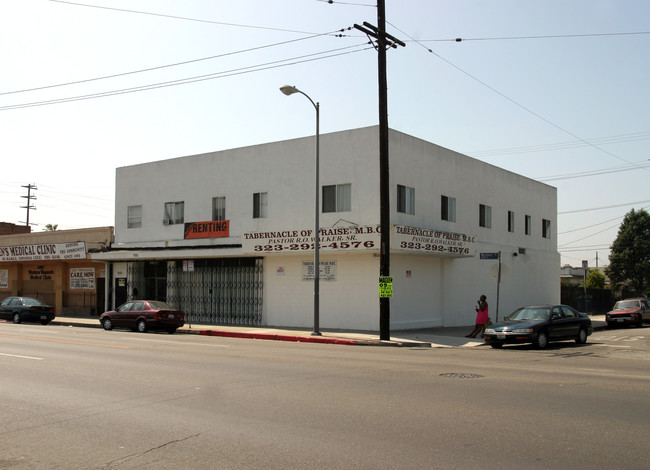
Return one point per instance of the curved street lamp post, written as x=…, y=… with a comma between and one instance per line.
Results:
x=290, y=90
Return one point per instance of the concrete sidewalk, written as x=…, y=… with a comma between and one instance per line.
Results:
x=438, y=337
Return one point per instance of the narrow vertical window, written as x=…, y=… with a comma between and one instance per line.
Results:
x=546, y=228
x=174, y=213
x=448, y=208
x=405, y=199
x=511, y=221
x=260, y=205
x=528, y=223
x=134, y=217
x=484, y=216
x=218, y=208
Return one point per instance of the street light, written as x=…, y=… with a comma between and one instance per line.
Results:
x=290, y=90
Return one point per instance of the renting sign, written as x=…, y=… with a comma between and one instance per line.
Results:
x=210, y=229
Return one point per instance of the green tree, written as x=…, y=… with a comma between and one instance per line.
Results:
x=51, y=227
x=629, y=261
x=595, y=279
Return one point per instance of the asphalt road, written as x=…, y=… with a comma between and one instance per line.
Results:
x=91, y=399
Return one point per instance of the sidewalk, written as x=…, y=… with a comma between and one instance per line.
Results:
x=438, y=337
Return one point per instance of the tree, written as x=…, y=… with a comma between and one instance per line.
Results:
x=629, y=261
x=51, y=227
x=595, y=279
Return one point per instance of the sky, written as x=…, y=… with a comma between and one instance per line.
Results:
x=556, y=91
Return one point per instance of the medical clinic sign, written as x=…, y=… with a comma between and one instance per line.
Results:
x=43, y=252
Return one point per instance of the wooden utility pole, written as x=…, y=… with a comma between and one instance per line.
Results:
x=384, y=41
x=29, y=198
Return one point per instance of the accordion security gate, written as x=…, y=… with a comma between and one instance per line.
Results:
x=221, y=291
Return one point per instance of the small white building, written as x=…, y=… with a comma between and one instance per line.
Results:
x=228, y=236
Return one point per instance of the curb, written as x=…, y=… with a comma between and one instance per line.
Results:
x=272, y=337
x=311, y=339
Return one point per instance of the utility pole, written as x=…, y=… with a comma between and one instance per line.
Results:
x=384, y=41
x=29, y=198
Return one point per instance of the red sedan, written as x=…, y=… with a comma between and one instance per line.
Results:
x=144, y=315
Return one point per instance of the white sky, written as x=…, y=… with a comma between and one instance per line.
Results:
x=570, y=110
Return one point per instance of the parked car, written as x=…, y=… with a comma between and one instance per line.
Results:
x=19, y=309
x=629, y=311
x=143, y=315
x=539, y=325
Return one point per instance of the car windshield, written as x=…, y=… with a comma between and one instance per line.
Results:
x=623, y=304
x=28, y=301
x=157, y=305
x=529, y=313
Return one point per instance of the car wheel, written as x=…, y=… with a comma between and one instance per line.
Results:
x=45, y=322
x=171, y=331
x=611, y=325
x=582, y=336
x=541, y=341
x=107, y=324
x=496, y=345
x=17, y=318
x=142, y=326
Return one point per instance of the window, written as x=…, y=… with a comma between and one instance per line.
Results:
x=134, y=217
x=174, y=213
x=260, y=205
x=511, y=221
x=546, y=228
x=337, y=198
x=448, y=208
x=484, y=216
x=405, y=199
x=218, y=208
x=528, y=225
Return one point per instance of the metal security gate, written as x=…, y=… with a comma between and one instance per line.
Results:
x=218, y=291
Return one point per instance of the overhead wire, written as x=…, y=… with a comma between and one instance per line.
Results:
x=503, y=95
x=199, y=78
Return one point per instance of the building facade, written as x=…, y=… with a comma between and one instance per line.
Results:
x=56, y=267
x=228, y=236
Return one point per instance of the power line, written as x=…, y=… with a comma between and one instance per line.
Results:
x=200, y=78
x=602, y=207
x=184, y=18
x=555, y=36
x=133, y=72
x=530, y=111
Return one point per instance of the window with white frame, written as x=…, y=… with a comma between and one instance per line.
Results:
x=260, y=205
x=448, y=208
x=337, y=198
x=405, y=199
x=484, y=216
x=219, y=208
x=174, y=213
x=546, y=228
x=134, y=217
x=528, y=225
x=511, y=221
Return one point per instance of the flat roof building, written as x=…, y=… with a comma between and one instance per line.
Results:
x=227, y=236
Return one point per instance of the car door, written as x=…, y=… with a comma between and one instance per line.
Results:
x=121, y=317
x=645, y=304
x=5, y=311
x=571, y=322
x=561, y=327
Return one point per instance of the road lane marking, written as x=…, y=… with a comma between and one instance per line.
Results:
x=80, y=343
x=22, y=357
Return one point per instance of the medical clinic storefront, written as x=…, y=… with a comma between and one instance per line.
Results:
x=55, y=268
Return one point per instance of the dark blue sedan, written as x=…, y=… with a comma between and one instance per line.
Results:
x=540, y=325
x=19, y=309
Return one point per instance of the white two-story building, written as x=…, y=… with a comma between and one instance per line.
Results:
x=228, y=236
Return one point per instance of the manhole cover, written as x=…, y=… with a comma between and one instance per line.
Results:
x=457, y=375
